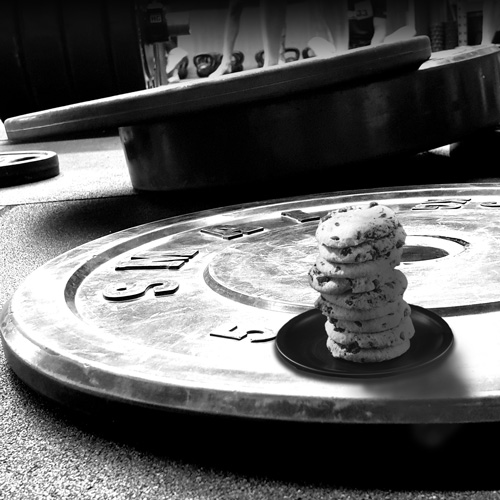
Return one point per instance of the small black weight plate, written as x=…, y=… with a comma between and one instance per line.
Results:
x=20, y=167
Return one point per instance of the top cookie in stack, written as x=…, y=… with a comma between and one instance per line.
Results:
x=361, y=291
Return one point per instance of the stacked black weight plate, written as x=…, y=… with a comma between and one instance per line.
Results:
x=56, y=53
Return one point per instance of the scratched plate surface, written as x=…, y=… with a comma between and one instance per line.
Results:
x=182, y=313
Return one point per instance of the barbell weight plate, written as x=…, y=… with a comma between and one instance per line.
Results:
x=255, y=85
x=83, y=325
x=20, y=167
x=309, y=136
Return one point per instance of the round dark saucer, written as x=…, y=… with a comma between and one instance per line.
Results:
x=302, y=343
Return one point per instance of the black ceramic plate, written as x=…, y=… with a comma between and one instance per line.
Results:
x=302, y=343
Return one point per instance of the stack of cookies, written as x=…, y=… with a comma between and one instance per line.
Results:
x=361, y=291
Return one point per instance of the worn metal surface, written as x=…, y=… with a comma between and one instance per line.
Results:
x=137, y=316
x=208, y=96
x=451, y=96
x=306, y=118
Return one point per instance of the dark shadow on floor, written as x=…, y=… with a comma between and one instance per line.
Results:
x=404, y=457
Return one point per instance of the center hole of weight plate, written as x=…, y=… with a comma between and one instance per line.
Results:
x=421, y=248
x=417, y=253
x=22, y=158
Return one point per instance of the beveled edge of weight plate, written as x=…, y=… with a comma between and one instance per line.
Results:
x=229, y=403
x=236, y=88
x=226, y=401
x=460, y=53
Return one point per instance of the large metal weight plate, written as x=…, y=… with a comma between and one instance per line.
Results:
x=256, y=86
x=182, y=313
x=307, y=117
x=341, y=118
